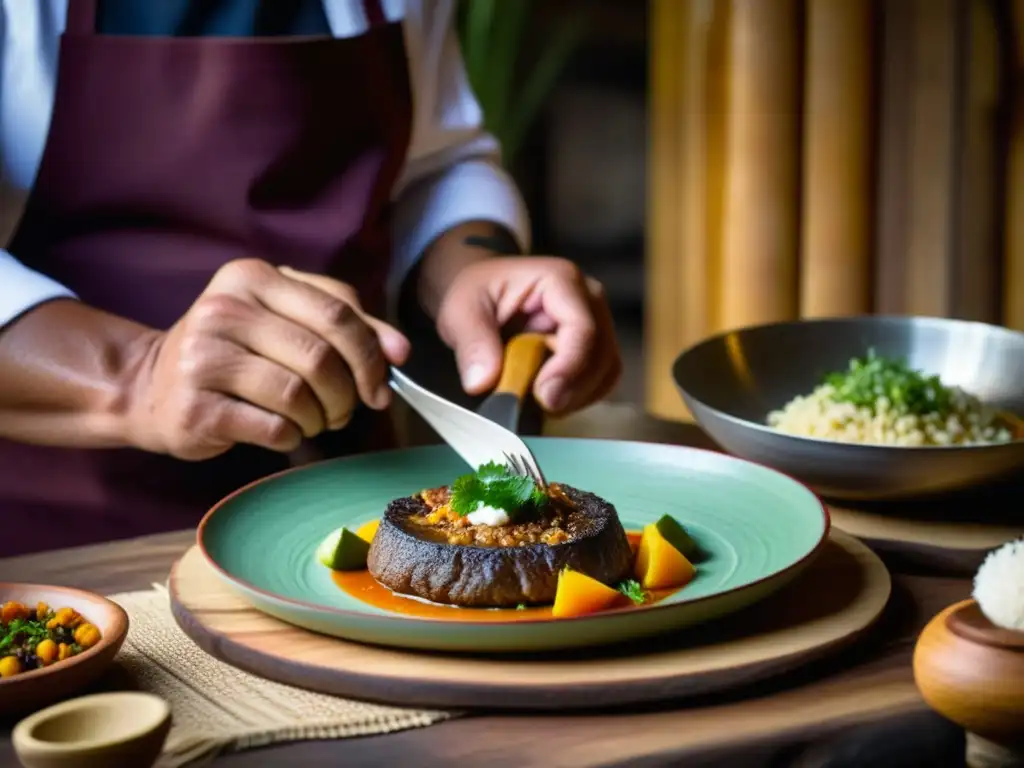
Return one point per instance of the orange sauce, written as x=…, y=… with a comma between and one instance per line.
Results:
x=633, y=537
x=362, y=586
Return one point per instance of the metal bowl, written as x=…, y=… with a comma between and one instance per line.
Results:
x=732, y=381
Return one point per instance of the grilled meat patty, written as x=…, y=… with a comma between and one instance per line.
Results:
x=423, y=549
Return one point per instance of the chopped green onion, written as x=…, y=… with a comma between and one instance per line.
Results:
x=869, y=379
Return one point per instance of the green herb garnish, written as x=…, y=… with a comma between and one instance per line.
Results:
x=23, y=630
x=521, y=607
x=492, y=485
x=633, y=591
x=908, y=391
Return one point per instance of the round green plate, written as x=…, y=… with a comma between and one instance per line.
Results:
x=757, y=528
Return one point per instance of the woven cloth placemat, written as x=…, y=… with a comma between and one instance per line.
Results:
x=218, y=708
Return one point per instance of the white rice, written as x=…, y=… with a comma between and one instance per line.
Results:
x=999, y=586
x=819, y=415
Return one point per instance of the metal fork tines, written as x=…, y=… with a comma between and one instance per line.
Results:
x=520, y=465
x=476, y=439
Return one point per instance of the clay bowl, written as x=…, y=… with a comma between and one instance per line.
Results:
x=106, y=730
x=31, y=690
x=972, y=673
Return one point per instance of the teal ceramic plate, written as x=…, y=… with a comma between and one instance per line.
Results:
x=757, y=528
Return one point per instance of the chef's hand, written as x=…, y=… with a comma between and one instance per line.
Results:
x=534, y=293
x=264, y=356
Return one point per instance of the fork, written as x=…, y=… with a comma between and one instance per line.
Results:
x=476, y=439
x=519, y=465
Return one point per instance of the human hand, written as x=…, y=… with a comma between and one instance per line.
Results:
x=542, y=294
x=265, y=356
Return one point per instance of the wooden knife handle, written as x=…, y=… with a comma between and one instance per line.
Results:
x=524, y=355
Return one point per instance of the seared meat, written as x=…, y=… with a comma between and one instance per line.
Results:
x=415, y=552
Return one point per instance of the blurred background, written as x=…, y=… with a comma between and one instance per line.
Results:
x=719, y=163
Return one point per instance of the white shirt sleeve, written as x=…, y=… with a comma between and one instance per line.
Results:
x=22, y=288
x=453, y=173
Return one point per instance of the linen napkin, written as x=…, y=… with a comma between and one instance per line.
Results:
x=218, y=708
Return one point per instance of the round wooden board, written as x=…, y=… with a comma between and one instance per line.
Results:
x=951, y=546
x=835, y=601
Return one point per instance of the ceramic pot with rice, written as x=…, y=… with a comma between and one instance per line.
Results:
x=969, y=662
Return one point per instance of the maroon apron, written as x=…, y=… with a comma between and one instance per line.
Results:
x=167, y=158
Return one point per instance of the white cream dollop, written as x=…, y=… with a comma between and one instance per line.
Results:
x=485, y=515
x=999, y=586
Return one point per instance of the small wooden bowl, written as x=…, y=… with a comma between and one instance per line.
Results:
x=30, y=690
x=972, y=672
x=106, y=730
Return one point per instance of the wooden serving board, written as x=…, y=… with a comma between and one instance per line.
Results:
x=949, y=546
x=951, y=534
x=833, y=603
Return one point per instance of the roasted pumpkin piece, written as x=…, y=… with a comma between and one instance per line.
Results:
x=659, y=565
x=367, y=531
x=676, y=535
x=12, y=610
x=65, y=617
x=10, y=666
x=47, y=651
x=578, y=595
x=87, y=635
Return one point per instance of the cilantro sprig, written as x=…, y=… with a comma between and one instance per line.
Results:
x=21, y=630
x=492, y=485
x=908, y=391
x=631, y=588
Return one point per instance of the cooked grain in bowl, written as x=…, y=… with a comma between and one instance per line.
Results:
x=884, y=402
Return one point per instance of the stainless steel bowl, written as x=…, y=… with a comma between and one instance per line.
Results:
x=732, y=381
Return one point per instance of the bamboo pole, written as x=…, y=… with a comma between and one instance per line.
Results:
x=761, y=211
x=1013, y=266
x=690, y=42
x=663, y=337
x=836, y=258
x=706, y=128
x=697, y=260
x=923, y=157
x=933, y=170
x=893, y=203
x=977, y=269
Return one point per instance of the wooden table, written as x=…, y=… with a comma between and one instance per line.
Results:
x=858, y=709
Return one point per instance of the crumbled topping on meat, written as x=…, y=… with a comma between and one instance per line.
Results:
x=553, y=524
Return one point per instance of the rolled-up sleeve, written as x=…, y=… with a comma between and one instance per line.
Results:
x=453, y=173
x=21, y=289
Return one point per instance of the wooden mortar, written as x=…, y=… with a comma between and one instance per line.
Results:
x=972, y=672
